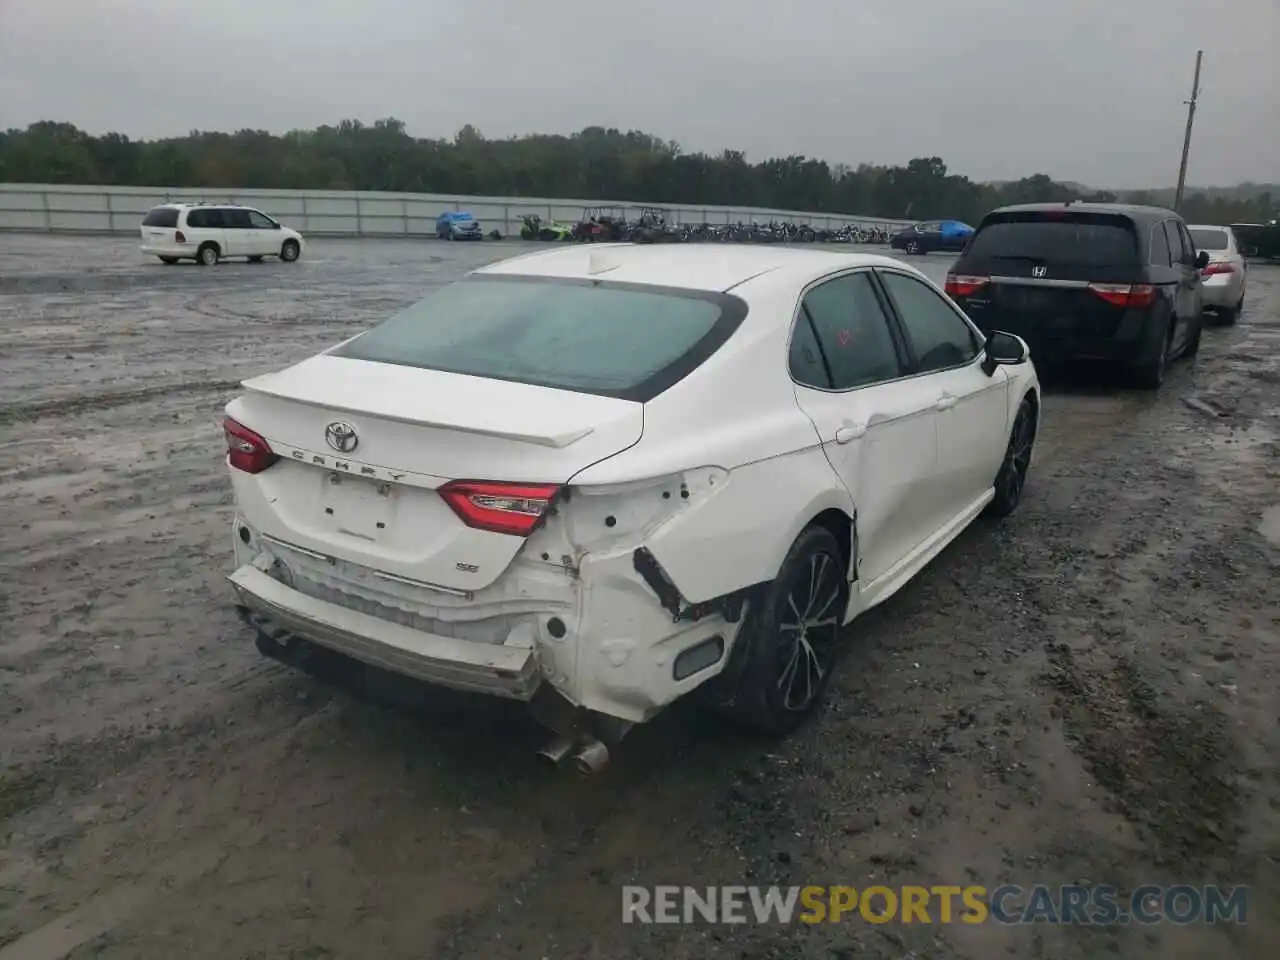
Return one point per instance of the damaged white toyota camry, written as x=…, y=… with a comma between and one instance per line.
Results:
x=599, y=478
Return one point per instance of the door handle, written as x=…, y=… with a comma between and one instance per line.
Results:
x=850, y=432
x=945, y=402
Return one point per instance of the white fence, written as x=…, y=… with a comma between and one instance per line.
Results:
x=101, y=209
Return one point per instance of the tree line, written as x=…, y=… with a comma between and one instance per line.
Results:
x=594, y=164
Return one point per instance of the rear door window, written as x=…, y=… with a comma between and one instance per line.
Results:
x=205, y=218
x=161, y=217
x=852, y=333
x=612, y=339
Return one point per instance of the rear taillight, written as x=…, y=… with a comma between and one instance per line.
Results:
x=1217, y=268
x=179, y=236
x=1125, y=294
x=246, y=450
x=513, y=508
x=960, y=286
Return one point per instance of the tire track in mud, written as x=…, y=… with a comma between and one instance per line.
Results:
x=17, y=412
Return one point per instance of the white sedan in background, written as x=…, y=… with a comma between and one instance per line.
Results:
x=600, y=478
x=1224, y=280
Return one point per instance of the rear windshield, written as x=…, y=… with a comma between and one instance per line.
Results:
x=615, y=340
x=1210, y=239
x=161, y=217
x=1063, y=238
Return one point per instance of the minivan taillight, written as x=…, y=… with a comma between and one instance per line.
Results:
x=499, y=507
x=961, y=286
x=179, y=237
x=1125, y=294
x=246, y=450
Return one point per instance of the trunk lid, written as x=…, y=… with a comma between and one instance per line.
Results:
x=367, y=489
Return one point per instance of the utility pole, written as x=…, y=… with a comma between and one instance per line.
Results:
x=1186, y=140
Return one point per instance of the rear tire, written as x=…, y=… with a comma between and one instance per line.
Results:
x=1193, y=345
x=786, y=649
x=1228, y=315
x=1150, y=376
x=290, y=251
x=208, y=254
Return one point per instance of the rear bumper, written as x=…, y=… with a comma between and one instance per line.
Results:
x=1222, y=290
x=1134, y=340
x=1050, y=350
x=613, y=650
x=280, y=611
x=168, y=249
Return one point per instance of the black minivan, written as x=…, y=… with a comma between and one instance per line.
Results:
x=1086, y=281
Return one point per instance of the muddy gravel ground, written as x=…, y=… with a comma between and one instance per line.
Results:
x=1086, y=692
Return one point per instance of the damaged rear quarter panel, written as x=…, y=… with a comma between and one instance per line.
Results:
x=738, y=411
x=739, y=536
x=617, y=655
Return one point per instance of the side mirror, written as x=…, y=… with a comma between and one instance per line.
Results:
x=1202, y=259
x=1003, y=348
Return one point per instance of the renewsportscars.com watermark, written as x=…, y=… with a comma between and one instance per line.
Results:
x=1008, y=904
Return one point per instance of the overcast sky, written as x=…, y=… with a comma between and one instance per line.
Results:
x=1084, y=90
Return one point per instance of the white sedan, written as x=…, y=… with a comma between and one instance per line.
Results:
x=599, y=478
x=1223, y=280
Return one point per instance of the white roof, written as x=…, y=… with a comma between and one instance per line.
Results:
x=715, y=267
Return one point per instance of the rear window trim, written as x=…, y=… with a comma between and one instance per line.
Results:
x=733, y=310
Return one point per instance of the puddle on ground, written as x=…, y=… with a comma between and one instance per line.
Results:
x=1270, y=525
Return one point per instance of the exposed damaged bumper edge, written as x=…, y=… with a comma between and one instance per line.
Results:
x=729, y=606
x=280, y=612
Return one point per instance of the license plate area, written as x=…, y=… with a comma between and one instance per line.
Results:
x=357, y=507
x=1029, y=299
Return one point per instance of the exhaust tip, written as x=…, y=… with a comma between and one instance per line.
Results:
x=555, y=751
x=591, y=758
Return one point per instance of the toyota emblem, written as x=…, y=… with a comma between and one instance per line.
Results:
x=341, y=436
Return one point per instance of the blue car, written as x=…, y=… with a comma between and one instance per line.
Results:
x=458, y=225
x=949, y=235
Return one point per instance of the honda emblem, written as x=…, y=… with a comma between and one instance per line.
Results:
x=1039, y=272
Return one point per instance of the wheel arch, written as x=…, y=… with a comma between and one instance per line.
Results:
x=1032, y=395
x=842, y=526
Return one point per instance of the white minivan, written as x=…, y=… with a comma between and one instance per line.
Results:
x=207, y=233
